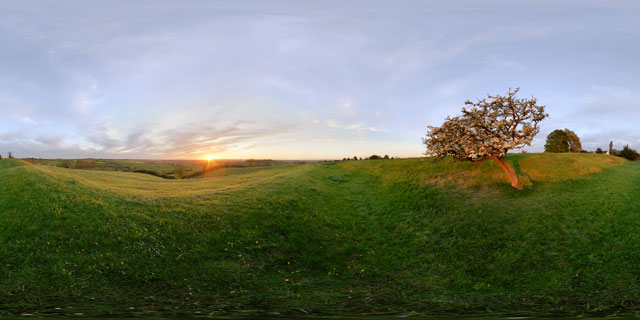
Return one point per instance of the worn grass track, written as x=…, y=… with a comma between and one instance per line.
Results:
x=358, y=236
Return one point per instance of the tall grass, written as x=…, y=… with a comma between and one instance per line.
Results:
x=350, y=237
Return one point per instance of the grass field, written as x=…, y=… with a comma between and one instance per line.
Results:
x=346, y=237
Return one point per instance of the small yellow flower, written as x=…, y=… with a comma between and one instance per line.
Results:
x=121, y=262
x=362, y=270
x=239, y=255
x=288, y=262
x=286, y=280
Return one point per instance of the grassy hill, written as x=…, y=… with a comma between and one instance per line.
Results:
x=346, y=237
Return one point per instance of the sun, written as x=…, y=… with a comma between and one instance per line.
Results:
x=208, y=158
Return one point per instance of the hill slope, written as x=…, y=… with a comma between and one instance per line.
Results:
x=355, y=236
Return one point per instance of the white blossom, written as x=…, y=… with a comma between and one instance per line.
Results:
x=487, y=129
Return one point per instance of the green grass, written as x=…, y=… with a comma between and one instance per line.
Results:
x=347, y=237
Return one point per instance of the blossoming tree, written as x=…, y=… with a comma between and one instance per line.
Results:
x=487, y=129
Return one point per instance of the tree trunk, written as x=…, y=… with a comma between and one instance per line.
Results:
x=511, y=174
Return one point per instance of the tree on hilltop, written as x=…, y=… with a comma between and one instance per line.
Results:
x=611, y=148
x=557, y=142
x=487, y=129
x=574, y=141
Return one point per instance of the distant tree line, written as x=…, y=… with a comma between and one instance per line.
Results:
x=372, y=157
x=560, y=141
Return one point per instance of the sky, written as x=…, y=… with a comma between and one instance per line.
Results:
x=303, y=79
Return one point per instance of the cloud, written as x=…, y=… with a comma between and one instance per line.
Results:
x=106, y=139
x=332, y=123
x=515, y=65
x=26, y=120
x=50, y=140
x=9, y=137
x=349, y=109
x=85, y=100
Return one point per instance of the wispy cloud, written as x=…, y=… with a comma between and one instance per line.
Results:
x=26, y=120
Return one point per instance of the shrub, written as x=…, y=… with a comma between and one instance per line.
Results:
x=194, y=174
x=65, y=164
x=85, y=164
x=599, y=151
x=180, y=172
x=628, y=153
x=375, y=157
x=153, y=173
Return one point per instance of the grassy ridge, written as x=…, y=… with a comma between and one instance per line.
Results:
x=543, y=167
x=355, y=236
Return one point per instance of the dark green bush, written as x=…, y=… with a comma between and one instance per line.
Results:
x=557, y=141
x=191, y=175
x=628, y=153
x=153, y=173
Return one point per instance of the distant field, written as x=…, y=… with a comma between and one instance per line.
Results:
x=339, y=237
x=168, y=169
